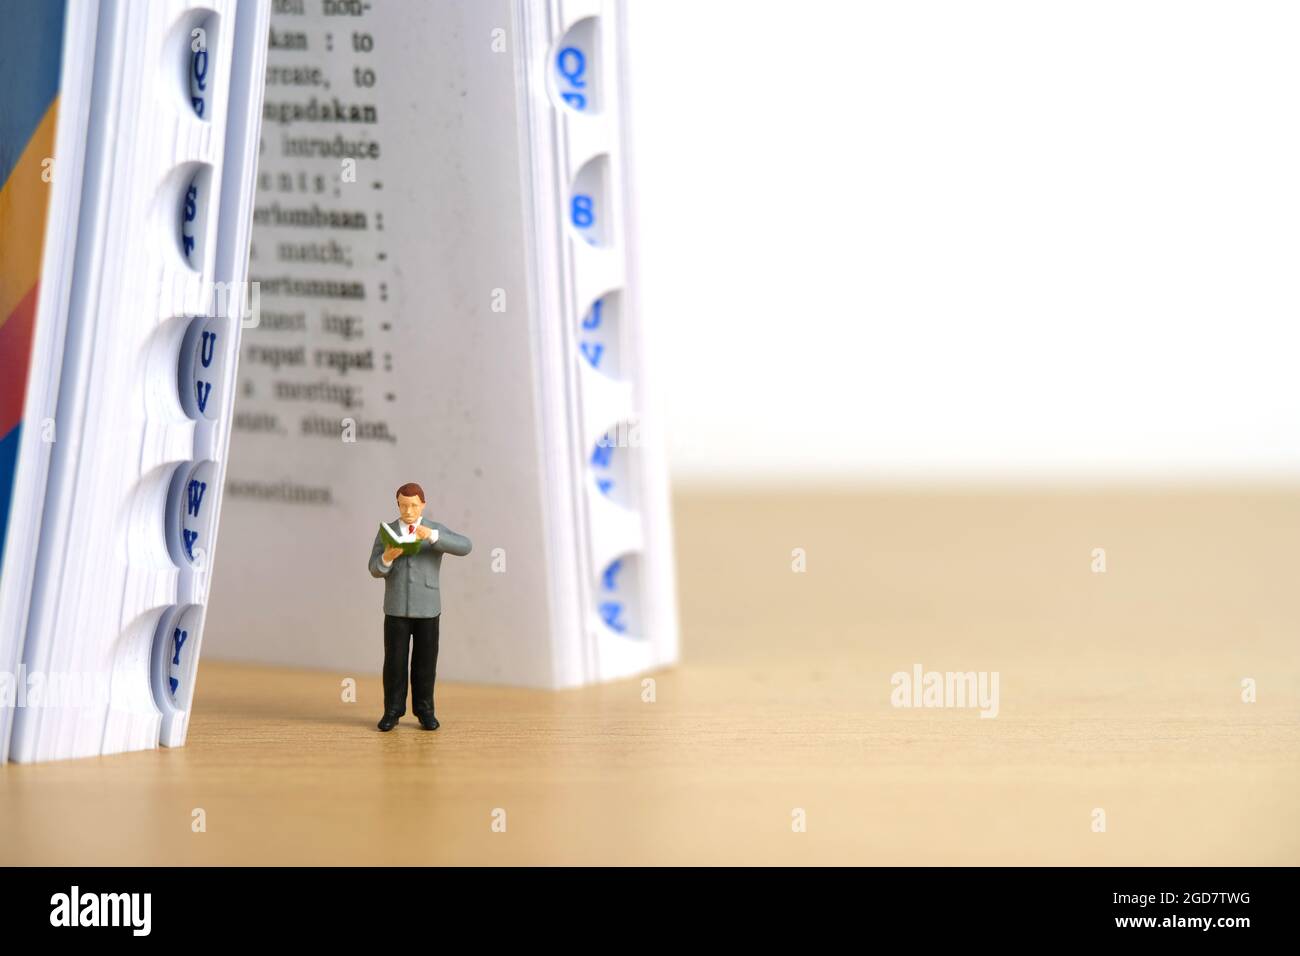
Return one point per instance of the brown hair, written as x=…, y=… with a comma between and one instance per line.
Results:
x=410, y=490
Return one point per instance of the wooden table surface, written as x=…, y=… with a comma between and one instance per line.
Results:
x=1118, y=690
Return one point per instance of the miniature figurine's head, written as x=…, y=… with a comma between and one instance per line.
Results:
x=410, y=502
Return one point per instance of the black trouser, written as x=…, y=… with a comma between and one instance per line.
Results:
x=398, y=635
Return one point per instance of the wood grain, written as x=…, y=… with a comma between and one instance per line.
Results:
x=1119, y=691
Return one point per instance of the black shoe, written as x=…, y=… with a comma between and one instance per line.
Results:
x=428, y=721
x=389, y=721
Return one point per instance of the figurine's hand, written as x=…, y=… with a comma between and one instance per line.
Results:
x=391, y=555
x=422, y=532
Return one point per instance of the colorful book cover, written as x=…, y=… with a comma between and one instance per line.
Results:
x=31, y=44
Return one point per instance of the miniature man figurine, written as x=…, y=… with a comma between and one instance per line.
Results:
x=412, y=605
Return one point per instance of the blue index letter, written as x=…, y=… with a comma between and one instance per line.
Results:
x=205, y=352
x=572, y=64
x=195, y=496
x=609, y=612
x=179, y=638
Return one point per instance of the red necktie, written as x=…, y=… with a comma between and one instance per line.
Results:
x=410, y=529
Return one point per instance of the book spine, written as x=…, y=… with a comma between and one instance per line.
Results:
x=44, y=101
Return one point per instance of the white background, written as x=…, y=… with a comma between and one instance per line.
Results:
x=964, y=239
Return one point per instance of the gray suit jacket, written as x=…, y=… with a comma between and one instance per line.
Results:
x=411, y=583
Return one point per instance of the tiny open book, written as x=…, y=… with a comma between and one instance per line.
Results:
x=409, y=543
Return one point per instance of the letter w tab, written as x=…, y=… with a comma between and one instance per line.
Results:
x=195, y=496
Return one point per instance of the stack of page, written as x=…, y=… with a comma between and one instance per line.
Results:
x=124, y=323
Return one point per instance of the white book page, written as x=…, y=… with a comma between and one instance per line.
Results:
x=389, y=232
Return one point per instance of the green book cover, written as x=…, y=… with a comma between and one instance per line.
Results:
x=409, y=543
